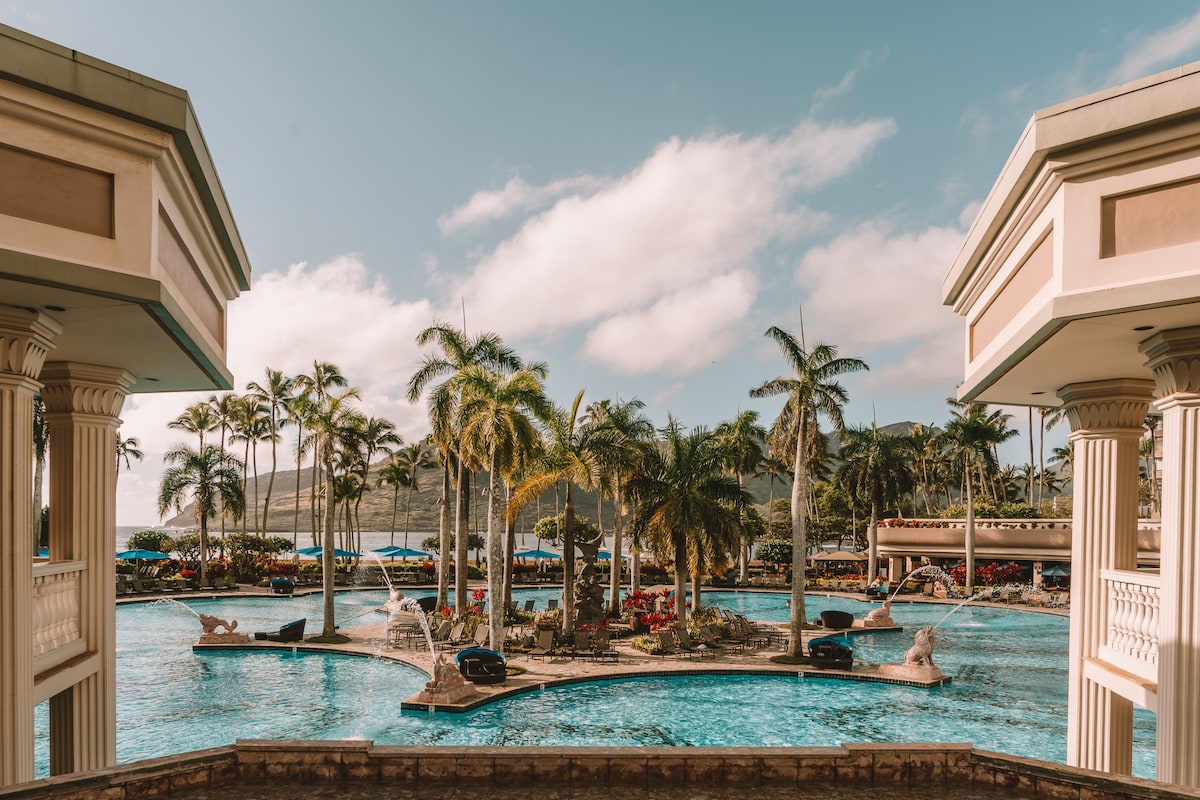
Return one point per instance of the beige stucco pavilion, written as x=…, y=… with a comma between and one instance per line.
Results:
x=118, y=257
x=1080, y=285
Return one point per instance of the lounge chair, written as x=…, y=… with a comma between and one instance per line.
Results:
x=836, y=620
x=544, y=645
x=552, y=605
x=602, y=649
x=668, y=645
x=528, y=609
x=292, y=632
x=454, y=638
x=582, y=645
x=830, y=653
x=702, y=650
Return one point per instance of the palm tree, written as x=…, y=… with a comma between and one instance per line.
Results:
x=1049, y=418
x=622, y=437
x=128, y=449
x=810, y=389
x=741, y=443
x=324, y=379
x=876, y=467
x=375, y=435
x=335, y=416
x=208, y=477
x=410, y=461
x=197, y=419
x=41, y=445
x=970, y=436
x=570, y=457
x=274, y=394
x=773, y=469
x=1150, y=452
x=458, y=353
x=300, y=410
x=925, y=450
x=685, y=504
x=224, y=409
x=497, y=425
x=250, y=425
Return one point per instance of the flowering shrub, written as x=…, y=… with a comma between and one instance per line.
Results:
x=599, y=625
x=479, y=595
x=187, y=574
x=992, y=574
x=640, y=601
x=427, y=568
x=654, y=621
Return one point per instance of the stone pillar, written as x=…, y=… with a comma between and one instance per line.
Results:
x=82, y=404
x=1106, y=423
x=1174, y=357
x=26, y=337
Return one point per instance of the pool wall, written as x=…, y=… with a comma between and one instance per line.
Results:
x=926, y=769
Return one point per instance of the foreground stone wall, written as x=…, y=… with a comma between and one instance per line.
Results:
x=929, y=769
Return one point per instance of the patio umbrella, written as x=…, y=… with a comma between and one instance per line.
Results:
x=141, y=555
x=317, y=552
x=536, y=554
x=392, y=551
x=840, y=555
x=604, y=555
x=1056, y=572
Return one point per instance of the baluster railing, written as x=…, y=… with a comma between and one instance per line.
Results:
x=1132, y=639
x=56, y=610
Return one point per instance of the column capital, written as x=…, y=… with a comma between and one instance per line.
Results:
x=26, y=336
x=1117, y=404
x=70, y=387
x=1174, y=358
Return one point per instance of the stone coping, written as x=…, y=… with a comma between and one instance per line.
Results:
x=330, y=769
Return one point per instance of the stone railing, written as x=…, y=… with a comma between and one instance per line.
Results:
x=56, y=609
x=1132, y=640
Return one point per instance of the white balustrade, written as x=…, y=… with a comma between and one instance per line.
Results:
x=1132, y=640
x=56, y=612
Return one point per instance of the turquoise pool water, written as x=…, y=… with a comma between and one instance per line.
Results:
x=1008, y=693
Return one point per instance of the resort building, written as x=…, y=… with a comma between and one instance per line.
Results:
x=1079, y=283
x=118, y=257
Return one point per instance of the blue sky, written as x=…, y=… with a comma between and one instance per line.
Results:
x=632, y=192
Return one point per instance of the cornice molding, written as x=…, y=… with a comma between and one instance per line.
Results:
x=73, y=388
x=1113, y=405
x=26, y=338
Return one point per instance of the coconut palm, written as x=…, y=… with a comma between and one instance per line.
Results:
x=324, y=379
x=375, y=435
x=497, y=425
x=210, y=479
x=970, y=436
x=620, y=450
x=41, y=445
x=741, y=444
x=459, y=352
x=335, y=418
x=251, y=425
x=412, y=460
x=685, y=504
x=810, y=388
x=877, y=469
x=197, y=419
x=127, y=450
x=274, y=393
x=925, y=450
x=570, y=457
x=300, y=410
x=223, y=409
x=1049, y=418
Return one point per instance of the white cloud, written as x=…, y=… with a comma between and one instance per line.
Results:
x=516, y=196
x=332, y=312
x=1163, y=48
x=693, y=210
x=824, y=94
x=679, y=333
x=870, y=289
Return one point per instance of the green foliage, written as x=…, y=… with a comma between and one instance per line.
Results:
x=754, y=526
x=775, y=551
x=547, y=528
x=151, y=540
x=985, y=509
x=779, y=519
x=188, y=547
x=245, y=552
x=432, y=544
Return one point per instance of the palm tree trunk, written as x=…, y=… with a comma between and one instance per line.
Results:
x=799, y=539
x=510, y=544
x=969, y=544
x=202, y=521
x=395, y=503
x=568, y=556
x=246, y=481
x=407, y=511
x=255, y=453
x=327, y=568
x=614, y=572
x=696, y=581
x=462, y=519
x=1029, y=488
x=296, y=511
x=495, y=551
x=680, y=581
x=873, y=541
x=274, y=466
x=443, y=577
x=743, y=551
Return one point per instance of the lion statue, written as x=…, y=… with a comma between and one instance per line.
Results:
x=209, y=624
x=921, y=653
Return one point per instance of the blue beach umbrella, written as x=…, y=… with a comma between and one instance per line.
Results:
x=317, y=552
x=604, y=555
x=392, y=551
x=536, y=554
x=142, y=555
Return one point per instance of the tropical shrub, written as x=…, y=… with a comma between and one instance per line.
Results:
x=992, y=574
x=151, y=540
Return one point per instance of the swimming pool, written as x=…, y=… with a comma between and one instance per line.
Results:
x=1008, y=693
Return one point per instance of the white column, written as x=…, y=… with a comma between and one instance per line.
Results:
x=25, y=338
x=1174, y=356
x=1106, y=423
x=82, y=404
